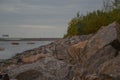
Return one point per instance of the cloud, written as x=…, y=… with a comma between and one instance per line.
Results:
x=37, y=26
x=30, y=26
x=46, y=6
x=32, y=31
x=43, y=14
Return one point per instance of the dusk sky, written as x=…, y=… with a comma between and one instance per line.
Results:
x=41, y=18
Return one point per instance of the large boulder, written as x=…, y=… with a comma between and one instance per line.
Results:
x=75, y=50
x=105, y=54
x=105, y=64
x=83, y=50
x=103, y=37
x=100, y=57
x=62, y=50
x=111, y=67
x=44, y=69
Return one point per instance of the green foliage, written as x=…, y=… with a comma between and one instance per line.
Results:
x=116, y=4
x=91, y=22
x=73, y=26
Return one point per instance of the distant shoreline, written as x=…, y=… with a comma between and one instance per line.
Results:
x=29, y=39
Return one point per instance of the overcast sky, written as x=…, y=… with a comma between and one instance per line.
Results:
x=41, y=18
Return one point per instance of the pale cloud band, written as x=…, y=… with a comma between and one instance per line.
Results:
x=37, y=26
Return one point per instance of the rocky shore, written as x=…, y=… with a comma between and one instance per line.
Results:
x=86, y=57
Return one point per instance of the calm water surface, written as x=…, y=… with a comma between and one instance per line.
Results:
x=11, y=50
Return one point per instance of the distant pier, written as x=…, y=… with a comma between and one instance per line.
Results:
x=29, y=39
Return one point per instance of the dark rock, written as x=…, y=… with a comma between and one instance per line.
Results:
x=4, y=76
x=28, y=75
x=115, y=44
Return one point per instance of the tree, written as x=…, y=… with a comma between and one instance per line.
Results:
x=116, y=4
x=107, y=5
x=78, y=14
x=91, y=22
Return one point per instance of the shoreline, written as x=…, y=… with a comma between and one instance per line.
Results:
x=49, y=48
x=29, y=39
x=12, y=48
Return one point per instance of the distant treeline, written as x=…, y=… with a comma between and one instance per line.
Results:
x=91, y=22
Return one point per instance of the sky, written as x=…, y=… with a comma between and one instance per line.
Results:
x=41, y=18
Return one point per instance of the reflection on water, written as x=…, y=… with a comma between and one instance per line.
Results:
x=11, y=49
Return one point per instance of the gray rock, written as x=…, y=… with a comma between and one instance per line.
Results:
x=101, y=56
x=102, y=38
x=45, y=69
x=61, y=47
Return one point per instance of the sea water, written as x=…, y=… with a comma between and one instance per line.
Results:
x=11, y=49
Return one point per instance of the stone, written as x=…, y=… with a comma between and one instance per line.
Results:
x=75, y=50
x=102, y=38
x=100, y=56
x=45, y=69
x=111, y=67
x=104, y=55
x=62, y=51
x=28, y=75
x=34, y=58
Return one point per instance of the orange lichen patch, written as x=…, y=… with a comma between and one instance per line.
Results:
x=74, y=51
x=80, y=44
x=34, y=58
